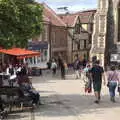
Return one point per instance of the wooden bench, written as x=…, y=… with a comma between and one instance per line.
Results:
x=15, y=97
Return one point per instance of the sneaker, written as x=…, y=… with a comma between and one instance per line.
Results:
x=96, y=101
x=112, y=99
x=99, y=98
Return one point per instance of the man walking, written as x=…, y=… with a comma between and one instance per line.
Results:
x=77, y=67
x=97, y=73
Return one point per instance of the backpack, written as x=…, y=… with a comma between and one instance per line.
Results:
x=54, y=65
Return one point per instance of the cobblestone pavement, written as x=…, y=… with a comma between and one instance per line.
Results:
x=66, y=100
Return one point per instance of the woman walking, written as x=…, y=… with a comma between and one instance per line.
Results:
x=119, y=80
x=113, y=78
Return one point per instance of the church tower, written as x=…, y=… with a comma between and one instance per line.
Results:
x=100, y=30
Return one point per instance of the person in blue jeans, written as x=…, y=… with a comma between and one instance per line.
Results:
x=113, y=78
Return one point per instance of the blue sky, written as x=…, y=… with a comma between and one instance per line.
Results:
x=73, y=5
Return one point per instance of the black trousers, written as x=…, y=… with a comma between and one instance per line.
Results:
x=63, y=73
x=1, y=105
x=54, y=71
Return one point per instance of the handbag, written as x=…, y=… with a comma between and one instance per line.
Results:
x=108, y=84
x=119, y=87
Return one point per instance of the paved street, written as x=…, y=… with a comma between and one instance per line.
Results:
x=66, y=100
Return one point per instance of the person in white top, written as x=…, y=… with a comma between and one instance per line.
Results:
x=54, y=67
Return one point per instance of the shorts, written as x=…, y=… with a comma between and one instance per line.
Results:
x=97, y=86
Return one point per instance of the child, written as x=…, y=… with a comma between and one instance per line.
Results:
x=88, y=83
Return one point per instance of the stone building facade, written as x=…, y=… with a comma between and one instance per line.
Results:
x=106, y=36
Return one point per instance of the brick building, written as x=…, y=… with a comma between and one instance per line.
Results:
x=58, y=34
x=67, y=35
x=52, y=42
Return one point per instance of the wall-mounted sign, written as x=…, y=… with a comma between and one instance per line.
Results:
x=115, y=58
x=38, y=45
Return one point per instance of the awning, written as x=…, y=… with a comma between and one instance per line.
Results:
x=20, y=53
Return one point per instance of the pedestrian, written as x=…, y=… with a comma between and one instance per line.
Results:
x=119, y=80
x=62, y=68
x=66, y=67
x=113, y=78
x=54, y=66
x=84, y=62
x=10, y=70
x=26, y=85
x=97, y=73
x=87, y=80
x=49, y=65
x=76, y=67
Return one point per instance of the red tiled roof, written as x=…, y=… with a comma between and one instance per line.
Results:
x=69, y=19
x=86, y=16
x=46, y=19
x=52, y=16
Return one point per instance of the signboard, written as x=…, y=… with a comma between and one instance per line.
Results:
x=115, y=58
x=37, y=45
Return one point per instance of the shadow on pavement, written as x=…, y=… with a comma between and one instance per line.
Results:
x=68, y=105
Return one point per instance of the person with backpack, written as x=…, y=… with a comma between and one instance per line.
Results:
x=97, y=73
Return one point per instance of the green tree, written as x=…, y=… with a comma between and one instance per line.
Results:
x=20, y=20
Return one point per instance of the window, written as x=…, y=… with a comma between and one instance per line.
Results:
x=46, y=33
x=75, y=46
x=90, y=39
x=53, y=37
x=77, y=29
x=85, y=44
x=78, y=45
x=91, y=28
x=85, y=27
x=81, y=44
